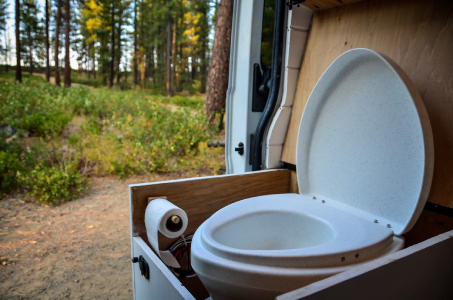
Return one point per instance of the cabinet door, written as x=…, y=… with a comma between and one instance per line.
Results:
x=162, y=284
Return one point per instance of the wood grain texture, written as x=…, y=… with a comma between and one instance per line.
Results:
x=294, y=186
x=317, y=5
x=418, y=36
x=202, y=197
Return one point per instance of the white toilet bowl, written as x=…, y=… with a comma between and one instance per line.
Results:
x=364, y=168
x=255, y=247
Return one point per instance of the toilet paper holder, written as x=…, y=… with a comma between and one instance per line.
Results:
x=174, y=222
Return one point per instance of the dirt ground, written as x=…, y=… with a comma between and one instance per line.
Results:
x=77, y=250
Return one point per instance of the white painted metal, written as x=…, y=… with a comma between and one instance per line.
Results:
x=298, y=23
x=365, y=141
x=131, y=209
x=420, y=272
x=244, y=53
x=162, y=284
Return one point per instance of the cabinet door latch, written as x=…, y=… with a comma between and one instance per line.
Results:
x=240, y=149
x=143, y=264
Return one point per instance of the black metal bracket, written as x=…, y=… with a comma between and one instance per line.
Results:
x=240, y=149
x=260, y=88
x=143, y=264
x=252, y=142
x=290, y=3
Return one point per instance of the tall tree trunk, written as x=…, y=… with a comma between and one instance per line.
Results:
x=125, y=68
x=152, y=65
x=118, y=73
x=142, y=67
x=47, y=42
x=218, y=73
x=142, y=53
x=118, y=51
x=18, y=66
x=173, y=55
x=183, y=66
x=135, y=62
x=30, y=49
x=94, y=69
x=194, y=65
x=57, y=42
x=168, y=54
x=67, y=62
x=204, y=49
x=6, y=52
x=112, y=62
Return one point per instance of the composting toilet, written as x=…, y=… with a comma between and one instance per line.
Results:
x=364, y=167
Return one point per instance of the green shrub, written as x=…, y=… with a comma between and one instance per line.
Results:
x=84, y=79
x=114, y=132
x=196, y=103
x=43, y=123
x=195, y=87
x=34, y=107
x=9, y=166
x=54, y=184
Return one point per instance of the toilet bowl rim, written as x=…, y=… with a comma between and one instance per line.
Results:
x=295, y=261
x=210, y=244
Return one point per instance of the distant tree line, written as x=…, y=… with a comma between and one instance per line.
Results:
x=162, y=45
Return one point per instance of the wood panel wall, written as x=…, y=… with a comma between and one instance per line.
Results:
x=200, y=198
x=417, y=35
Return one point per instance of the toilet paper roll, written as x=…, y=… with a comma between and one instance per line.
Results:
x=170, y=220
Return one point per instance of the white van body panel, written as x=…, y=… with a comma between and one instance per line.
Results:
x=244, y=53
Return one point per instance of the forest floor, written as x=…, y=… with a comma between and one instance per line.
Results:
x=77, y=250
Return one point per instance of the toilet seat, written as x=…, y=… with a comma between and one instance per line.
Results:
x=364, y=162
x=345, y=239
x=365, y=142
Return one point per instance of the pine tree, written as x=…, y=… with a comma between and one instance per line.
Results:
x=169, y=41
x=7, y=49
x=112, y=45
x=47, y=41
x=3, y=14
x=218, y=74
x=31, y=32
x=3, y=18
x=57, y=41
x=168, y=53
x=67, y=63
x=18, y=64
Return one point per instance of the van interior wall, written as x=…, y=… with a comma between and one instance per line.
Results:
x=417, y=35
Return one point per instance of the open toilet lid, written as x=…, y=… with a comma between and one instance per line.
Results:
x=365, y=142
